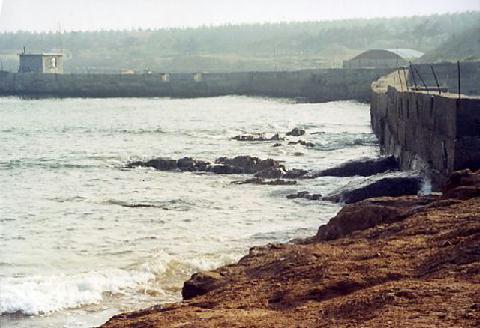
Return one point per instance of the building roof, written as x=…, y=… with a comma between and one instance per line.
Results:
x=392, y=53
x=42, y=54
x=407, y=53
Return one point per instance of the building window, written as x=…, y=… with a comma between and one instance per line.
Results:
x=54, y=62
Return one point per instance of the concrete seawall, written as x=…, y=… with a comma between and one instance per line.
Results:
x=310, y=85
x=438, y=133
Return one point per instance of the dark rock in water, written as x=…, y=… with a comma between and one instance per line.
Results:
x=277, y=145
x=168, y=164
x=269, y=168
x=186, y=164
x=202, y=166
x=303, y=143
x=202, y=283
x=161, y=163
x=249, y=164
x=296, y=132
x=306, y=195
x=295, y=174
x=276, y=137
x=391, y=186
x=226, y=169
x=257, y=137
x=270, y=173
x=363, y=167
x=261, y=181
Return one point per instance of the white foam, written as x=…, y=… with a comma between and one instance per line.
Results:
x=47, y=294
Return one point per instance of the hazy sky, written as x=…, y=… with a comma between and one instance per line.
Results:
x=54, y=15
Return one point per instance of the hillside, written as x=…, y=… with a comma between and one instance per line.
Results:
x=280, y=46
x=464, y=46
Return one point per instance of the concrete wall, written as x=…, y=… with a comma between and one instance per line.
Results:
x=30, y=63
x=436, y=133
x=375, y=63
x=447, y=75
x=310, y=85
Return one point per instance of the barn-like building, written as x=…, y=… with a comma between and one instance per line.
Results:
x=383, y=58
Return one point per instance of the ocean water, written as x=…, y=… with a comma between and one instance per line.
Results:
x=73, y=250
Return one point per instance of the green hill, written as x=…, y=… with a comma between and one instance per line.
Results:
x=280, y=46
x=464, y=47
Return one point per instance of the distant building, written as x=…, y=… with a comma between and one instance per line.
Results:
x=45, y=63
x=383, y=58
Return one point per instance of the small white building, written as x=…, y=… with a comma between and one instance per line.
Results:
x=43, y=63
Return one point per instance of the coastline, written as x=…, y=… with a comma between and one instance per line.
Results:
x=409, y=260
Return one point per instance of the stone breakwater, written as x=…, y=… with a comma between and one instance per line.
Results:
x=358, y=270
x=319, y=85
x=437, y=133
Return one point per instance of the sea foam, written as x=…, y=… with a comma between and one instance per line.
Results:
x=36, y=295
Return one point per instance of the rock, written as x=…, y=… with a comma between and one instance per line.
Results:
x=462, y=178
x=363, y=167
x=390, y=186
x=296, y=132
x=280, y=182
x=463, y=192
x=249, y=164
x=307, y=144
x=227, y=169
x=276, y=137
x=186, y=164
x=295, y=174
x=306, y=195
x=270, y=173
x=160, y=163
x=277, y=145
x=261, y=181
x=202, y=166
x=369, y=213
x=303, y=143
x=257, y=137
x=202, y=283
x=238, y=165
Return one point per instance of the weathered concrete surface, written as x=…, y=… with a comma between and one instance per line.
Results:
x=310, y=85
x=438, y=133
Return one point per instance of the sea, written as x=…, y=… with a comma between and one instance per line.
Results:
x=83, y=237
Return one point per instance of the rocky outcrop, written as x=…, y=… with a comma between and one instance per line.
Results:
x=389, y=186
x=267, y=182
x=305, y=195
x=223, y=165
x=296, y=132
x=260, y=137
x=248, y=164
x=372, y=188
x=202, y=283
x=363, y=167
x=370, y=213
x=390, y=262
x=303, y=143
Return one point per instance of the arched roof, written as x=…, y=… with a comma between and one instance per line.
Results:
x=390, y=53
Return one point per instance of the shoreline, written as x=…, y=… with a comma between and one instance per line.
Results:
x=393, y=261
